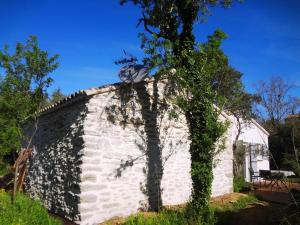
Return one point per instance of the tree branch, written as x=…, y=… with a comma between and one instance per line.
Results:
x=144, y=20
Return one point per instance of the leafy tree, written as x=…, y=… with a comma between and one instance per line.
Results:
x=56, y=96
x=232, y=97
x=239, y=104
x=22, y=89
x=292, y=152
x=227, y=83
x=170, y=44
x=285, y=145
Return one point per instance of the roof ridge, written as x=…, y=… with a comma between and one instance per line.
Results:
x=78, y=95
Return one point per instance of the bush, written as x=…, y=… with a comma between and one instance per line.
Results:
x=25, y=211
x=240, y=185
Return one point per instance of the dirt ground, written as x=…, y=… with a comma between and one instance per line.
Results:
x=227, y=198
x=256, y=214
x=275, y=205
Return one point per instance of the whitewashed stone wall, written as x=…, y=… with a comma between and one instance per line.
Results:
x=115, y=160
x=114, y=165
x=55, y=163
x=223, y=168
x=113, y=173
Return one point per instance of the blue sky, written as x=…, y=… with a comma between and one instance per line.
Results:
x=264, y=37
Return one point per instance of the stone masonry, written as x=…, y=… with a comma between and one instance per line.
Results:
x=111, y=152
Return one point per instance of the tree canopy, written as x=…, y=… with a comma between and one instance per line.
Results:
x=22, y=89
x=54, y=97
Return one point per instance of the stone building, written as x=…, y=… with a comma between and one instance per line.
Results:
x=115, y=150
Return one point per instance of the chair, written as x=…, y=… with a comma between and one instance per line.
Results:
x=265, y=175
x=253, y=175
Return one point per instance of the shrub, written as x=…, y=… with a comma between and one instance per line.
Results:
x=25, y=211
x=240, y=185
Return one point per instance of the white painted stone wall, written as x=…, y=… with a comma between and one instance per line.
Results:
x=223, y=170
x=110, y=190
x=111, y=167
x=108, y=145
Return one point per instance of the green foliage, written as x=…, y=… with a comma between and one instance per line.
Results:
x=240, y=185
x=290, y=162
x=197, y=101
x=243, y=202
x=292, y=144
x=165, y=217
x=4, y=168
x=24, y=212
x=285, y=144
x=22, y=89
x=56, y=96
x=231, y=92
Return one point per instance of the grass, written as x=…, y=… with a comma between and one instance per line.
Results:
x=25, y=211
x=180, y=216
x=241, y=203
x=164, y=217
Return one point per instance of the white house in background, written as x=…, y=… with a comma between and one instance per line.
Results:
x=255, y=137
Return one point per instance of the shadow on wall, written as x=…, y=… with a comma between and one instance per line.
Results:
x=149, y=113
x=54, y=166
x=147, y=124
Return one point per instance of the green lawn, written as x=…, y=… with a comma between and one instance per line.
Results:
x=24, y=212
